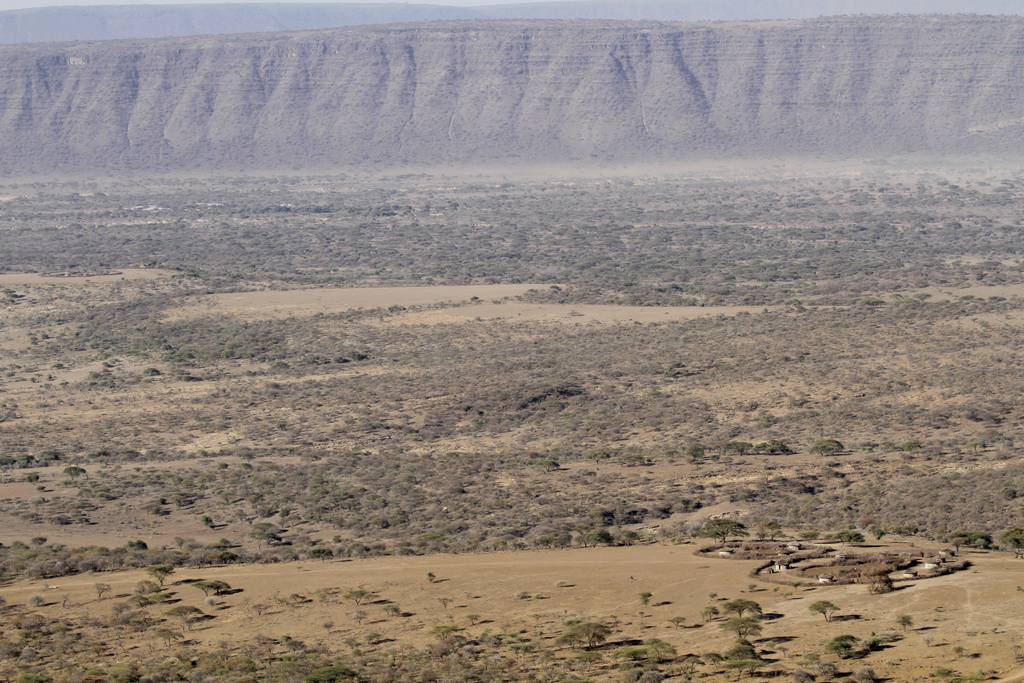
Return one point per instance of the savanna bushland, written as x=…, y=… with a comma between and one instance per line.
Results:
x=826, y=355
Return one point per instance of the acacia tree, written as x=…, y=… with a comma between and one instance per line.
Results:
x=571, y=638
x=905, y=620
x=186, y=614
x=167, y=636
x=211, y=586
x=740, y=606
x=694, y=452
x=841, y=645
x=741, y=649
x=74, y=471
x=593, y=633
x=959, y=538
x=739, y=447
x=768, y=529
x=1015, y=539
x=743, y=626
x=160, y=572
x=709, y=612
x=659, y=650
x=741, y=665
x=848, y=536
x=264, y=532
x=823, y=607
x=722, y=529
x=445, y=632
x=358, y=595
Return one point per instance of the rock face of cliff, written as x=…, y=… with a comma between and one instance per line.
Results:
x=517, y=92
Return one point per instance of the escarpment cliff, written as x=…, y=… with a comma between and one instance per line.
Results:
x=517, y=92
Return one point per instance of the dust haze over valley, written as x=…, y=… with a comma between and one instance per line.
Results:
x=523, y=350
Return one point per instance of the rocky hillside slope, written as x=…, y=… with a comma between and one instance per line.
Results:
x=517, y=92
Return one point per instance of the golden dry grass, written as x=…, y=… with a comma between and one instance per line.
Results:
x=973, y=609
x=307, y=302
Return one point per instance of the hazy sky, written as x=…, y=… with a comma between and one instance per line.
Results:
x=22, y=4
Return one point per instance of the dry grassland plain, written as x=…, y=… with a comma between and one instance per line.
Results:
x=478, y=595
x=308, y=302
x=539, y=410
